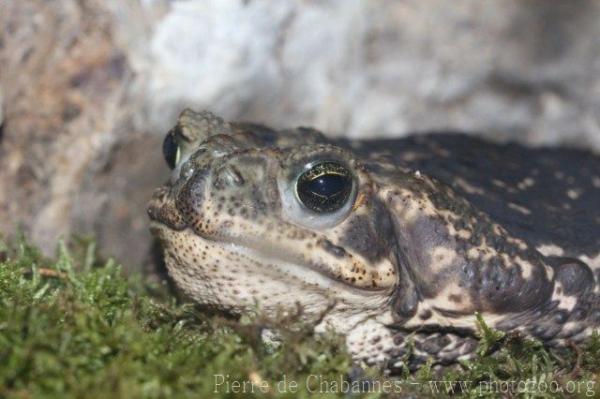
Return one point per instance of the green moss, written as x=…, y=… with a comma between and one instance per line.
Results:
x=75, y=326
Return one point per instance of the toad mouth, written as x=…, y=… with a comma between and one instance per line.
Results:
x=273, y=261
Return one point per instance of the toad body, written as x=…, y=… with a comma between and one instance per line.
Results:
x=395, y=244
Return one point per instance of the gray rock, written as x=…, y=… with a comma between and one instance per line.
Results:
x=526, y=71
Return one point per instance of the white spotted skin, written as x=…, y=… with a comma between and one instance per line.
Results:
x=441, y=258
x=594, y=264
x=468, y=187
x=370, y=341
x=519, y=208
x=565, y=302
x=551, y=250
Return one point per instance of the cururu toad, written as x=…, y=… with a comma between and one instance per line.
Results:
x=395, y=244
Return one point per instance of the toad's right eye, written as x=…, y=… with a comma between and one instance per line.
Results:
x=171, y=150
x=325, y=187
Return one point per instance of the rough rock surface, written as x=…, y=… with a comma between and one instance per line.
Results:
x=87, y=88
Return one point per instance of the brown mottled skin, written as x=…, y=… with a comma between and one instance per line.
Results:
x=432, y=230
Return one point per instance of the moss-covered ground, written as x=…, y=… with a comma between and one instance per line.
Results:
x=76, y=327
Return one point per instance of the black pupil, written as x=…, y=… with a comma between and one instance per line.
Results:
x=170, y=150
x=325, y=187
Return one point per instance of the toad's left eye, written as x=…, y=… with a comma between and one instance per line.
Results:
x=171, y=150
x=324, y=187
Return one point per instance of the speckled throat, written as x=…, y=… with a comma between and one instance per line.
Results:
x=429, y=231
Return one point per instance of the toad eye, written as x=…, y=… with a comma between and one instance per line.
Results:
x=171, y=150
x=324, y=187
